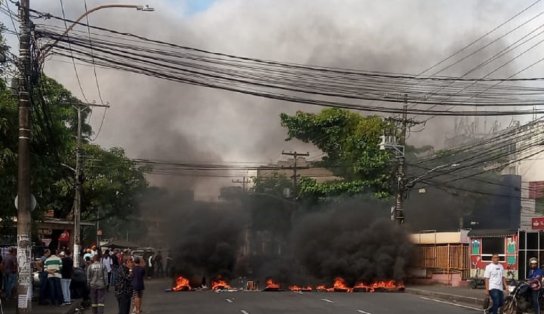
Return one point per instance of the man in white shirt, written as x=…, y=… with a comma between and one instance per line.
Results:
x=495, y=283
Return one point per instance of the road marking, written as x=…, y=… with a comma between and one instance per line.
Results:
x=363, y=312
x=244, y=312
x=229, y=300
x=327, y=300
x=451, y=303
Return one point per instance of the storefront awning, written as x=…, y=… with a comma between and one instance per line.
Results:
x=491, y=233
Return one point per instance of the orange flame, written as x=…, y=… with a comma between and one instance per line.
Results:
x=220, y=285
x=270, y=284
x=182, y=284
x=321, y=288
x=389, y=285
x=340, y=285
x=296, y=288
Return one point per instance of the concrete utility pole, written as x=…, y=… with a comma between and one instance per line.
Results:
x=401, y=168
x=390, y=142
x=295, y=168
x=79, y=183
x=24, y=244
x=244, y=183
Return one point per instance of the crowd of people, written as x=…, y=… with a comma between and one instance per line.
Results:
x=99, y=272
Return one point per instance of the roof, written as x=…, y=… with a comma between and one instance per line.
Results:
x=491, y=233
x=120, y=244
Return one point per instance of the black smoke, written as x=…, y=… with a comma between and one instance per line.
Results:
x=353, y=240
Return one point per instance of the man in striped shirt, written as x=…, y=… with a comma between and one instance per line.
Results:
x=53, y=265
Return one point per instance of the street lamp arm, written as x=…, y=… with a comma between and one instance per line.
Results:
x=100, y=7
x=412, y=183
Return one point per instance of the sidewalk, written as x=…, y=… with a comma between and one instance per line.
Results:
x=10, y=307
x=464, y=295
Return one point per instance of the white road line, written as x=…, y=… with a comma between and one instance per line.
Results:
x=451, y=303
x=244, y=312
x=229, y=300
x=363, y=312
x=327, y=300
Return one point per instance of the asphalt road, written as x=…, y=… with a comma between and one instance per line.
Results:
x=206, y=302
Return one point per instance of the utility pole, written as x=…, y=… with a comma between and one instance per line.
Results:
x=244, y=183
x=401, y=167
x=390, y=142
x=24, y=244
x=78, y=181
x=295, y=168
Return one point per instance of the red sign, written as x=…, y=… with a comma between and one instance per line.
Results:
x=538, y=223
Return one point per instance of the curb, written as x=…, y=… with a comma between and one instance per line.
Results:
x=447, y=297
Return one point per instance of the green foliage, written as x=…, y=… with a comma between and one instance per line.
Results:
x=112, y=182
x=274, y=184
x=351, y=144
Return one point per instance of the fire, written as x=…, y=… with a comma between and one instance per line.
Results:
x=389, y=285
x=296, y=288
x=321, y=288
x=182, y=284
x=220, y=285
x=271, y=285
x=340, y=285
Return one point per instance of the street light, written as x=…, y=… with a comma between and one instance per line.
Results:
x=77, y=198
x=143, y=8
x=412, y=183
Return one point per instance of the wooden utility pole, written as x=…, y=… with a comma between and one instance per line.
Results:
x=24, y=244
x=295, y=167
x=245, y=181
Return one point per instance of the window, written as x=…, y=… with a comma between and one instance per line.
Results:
x=492, y=246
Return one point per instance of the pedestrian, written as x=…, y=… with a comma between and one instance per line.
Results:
x=53, y=265
x=158, y=265
x=150, y=264
x=534, y=277
x=115, y=266
x=44, y=292
x=97, y=280
x=66, y=272
x=123, y=285
x=9, y=264
x=88, y=255
x=138, y=273
x=108, y=263
x=495, y=283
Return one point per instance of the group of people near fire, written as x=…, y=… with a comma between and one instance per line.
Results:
x=102, y=270
x=496, y=284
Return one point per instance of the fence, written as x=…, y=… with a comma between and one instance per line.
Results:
x=443, y=258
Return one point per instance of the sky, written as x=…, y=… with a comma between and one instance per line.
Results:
x=164, y=120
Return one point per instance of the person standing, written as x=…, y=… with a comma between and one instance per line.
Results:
x=138, y=275
x=108, y=263
x=53, y=265
x=158, y=265
x=10, y=272
x=495, y=283
x=44, y=292
x=97, y=277
x=534, y=277
x=66, y=272
x=123, y=285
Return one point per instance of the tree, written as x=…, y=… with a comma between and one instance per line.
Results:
x=113, y=183
x=351, y=144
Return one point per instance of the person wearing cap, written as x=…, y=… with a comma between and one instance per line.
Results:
x=534, y=277
x=495, y=283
